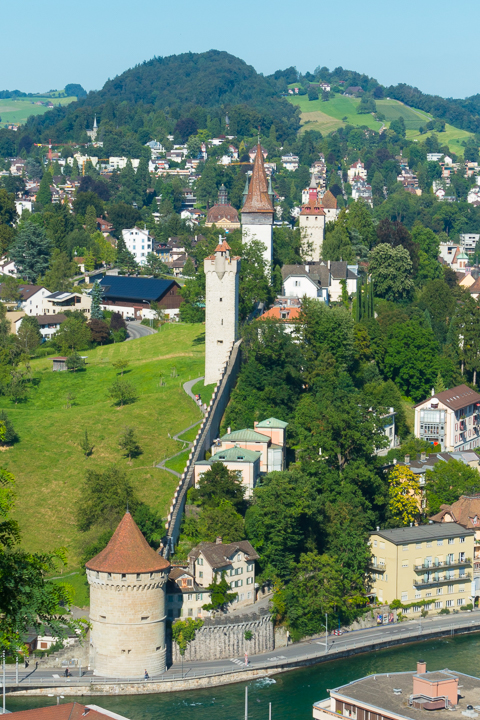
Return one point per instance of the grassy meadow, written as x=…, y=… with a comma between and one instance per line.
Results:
x=328, y=116
x=48, y=463
x=18, y=110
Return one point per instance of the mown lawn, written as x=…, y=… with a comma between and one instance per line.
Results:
x=178, y=463
x=205, y=391
x=48, y=463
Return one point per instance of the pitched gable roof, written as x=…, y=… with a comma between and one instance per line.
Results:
x=272, y=423
x=456, y=398
x=329, y=201
x=465, y=512
x=67, y=711
x=258, y=199
x=235, y=454
x=245, y=435
x=284, y=314
x=135, y=288
x=127, y=552
x=218, y=555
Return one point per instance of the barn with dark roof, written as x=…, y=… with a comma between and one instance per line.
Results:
x=132, y=296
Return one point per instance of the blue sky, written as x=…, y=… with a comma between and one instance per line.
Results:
x=421, y=42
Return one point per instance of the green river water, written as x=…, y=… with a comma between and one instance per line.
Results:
x=292, y=694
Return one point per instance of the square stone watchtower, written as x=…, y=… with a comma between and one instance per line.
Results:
x=221, y=309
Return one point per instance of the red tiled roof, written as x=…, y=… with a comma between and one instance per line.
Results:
x=275, y=313
x=309, y=209
x=65, y=711
x=329, y=201
x=223, y=247
x=258, y=199
x=127, y=552
x=222, y=212
x=466, y=512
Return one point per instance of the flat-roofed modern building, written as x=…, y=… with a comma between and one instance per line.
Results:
x=426, y=566
x=402, y=696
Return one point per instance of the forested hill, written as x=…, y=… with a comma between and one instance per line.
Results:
x=179, y=86
x=464, y=114
x=206, y=79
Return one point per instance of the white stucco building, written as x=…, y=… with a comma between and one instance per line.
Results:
x=139, y=243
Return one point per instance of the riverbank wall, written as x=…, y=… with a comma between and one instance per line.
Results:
x=191, y=680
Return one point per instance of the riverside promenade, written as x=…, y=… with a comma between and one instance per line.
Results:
x=194, y=675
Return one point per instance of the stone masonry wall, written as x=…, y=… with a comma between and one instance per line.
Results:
x=206, y=434
x=224, y=638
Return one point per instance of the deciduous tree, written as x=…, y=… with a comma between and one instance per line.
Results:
x=404, y=495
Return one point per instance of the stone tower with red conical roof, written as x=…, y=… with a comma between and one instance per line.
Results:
x=222, y=273
x=312, y=225
x=127, y=606
x=257, y=210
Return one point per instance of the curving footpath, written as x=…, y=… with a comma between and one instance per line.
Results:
x=188, y=389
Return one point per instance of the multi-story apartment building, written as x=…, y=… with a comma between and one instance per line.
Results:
x=450, y=419
x=430, y=563
x=236, y=561
x=139, y=243
x=402, y=696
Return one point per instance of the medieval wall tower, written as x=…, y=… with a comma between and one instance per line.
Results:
x=312, y=225
x=127, y=606
x=257, y=210
x=221, y=309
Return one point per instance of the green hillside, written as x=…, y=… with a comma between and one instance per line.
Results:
x=48, y=463
x=328, y=116
x=18, y=110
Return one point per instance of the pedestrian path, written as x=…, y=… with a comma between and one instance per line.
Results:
x=188, y=389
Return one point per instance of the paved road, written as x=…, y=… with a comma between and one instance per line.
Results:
x=135, y=330
x=411, y=631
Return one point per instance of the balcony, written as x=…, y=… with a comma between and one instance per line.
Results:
x=421, y=582
x=377, y=568
x=443, y=565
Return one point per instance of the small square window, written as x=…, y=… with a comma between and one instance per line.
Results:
x=124, y=577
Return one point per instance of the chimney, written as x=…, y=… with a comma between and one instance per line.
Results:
x=421, y=667
x=229, y=430
x=378, y=528
x=433, y=392
x=407, y=459
x=218, y=540
x=423, y=456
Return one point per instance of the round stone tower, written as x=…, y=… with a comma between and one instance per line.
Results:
x=127, y=606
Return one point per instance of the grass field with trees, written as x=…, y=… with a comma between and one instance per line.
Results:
x=18, y=110
x=48, y=462
x=329, y=116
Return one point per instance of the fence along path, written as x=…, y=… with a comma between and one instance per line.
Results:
x=207, y=432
